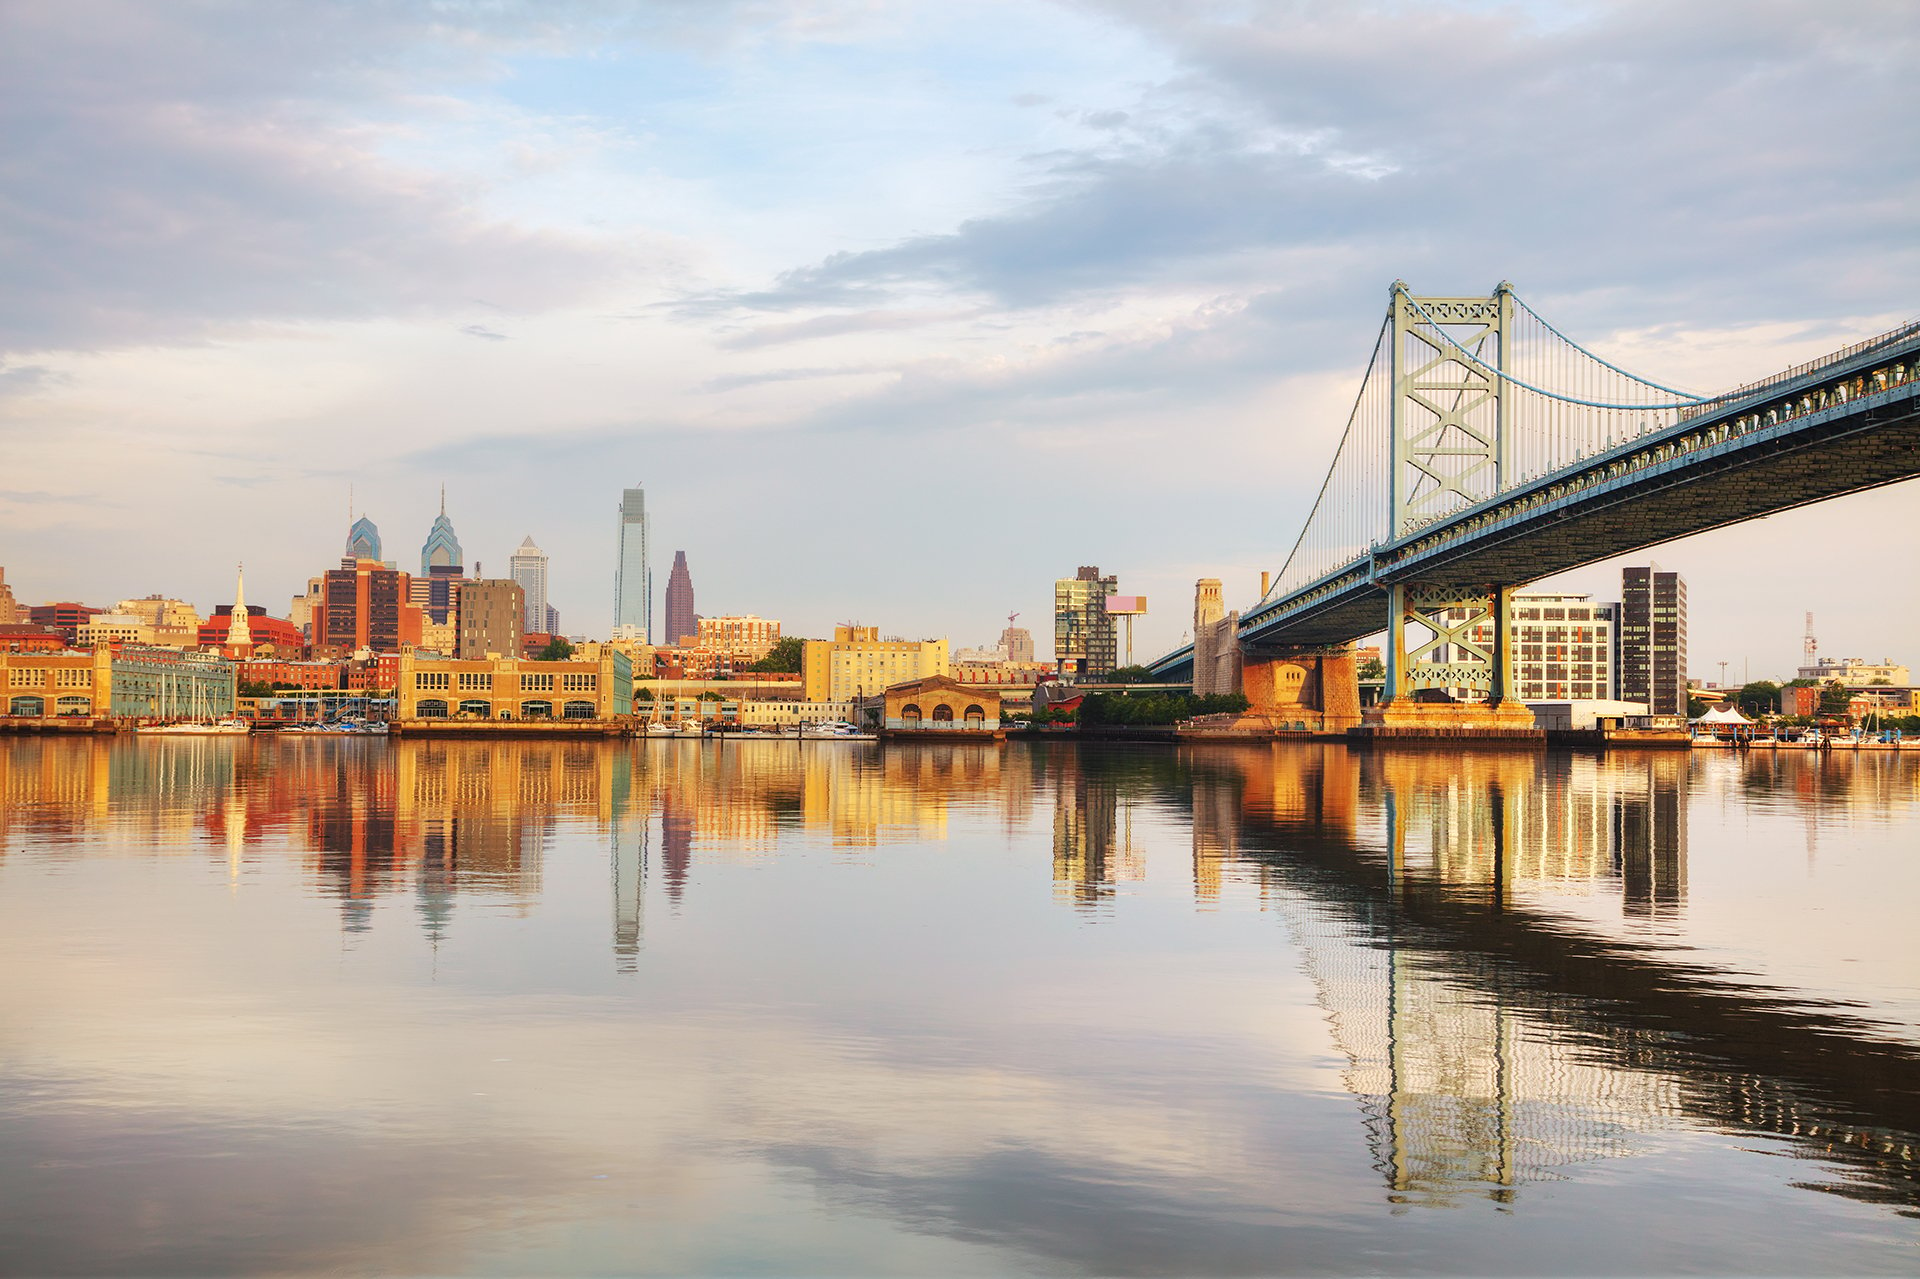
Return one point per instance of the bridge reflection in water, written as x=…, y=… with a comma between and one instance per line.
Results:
x=1490, y=1032
x=1490, y=1039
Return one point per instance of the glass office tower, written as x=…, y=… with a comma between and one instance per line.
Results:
x=633, y=573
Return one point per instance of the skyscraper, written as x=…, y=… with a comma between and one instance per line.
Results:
x=1082, y=627
x=437, y=589
x=491, y=619
x=633, y=572
x=442, y=548
x=528, y=566
x=1653, y=639
x=363, y=540
x=680, y=620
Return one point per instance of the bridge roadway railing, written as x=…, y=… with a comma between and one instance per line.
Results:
x=1846, y=384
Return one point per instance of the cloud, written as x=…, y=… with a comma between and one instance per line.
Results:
x=482, y=331
x=1635, y=153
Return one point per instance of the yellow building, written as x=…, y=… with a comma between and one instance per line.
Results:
x=514, y=688
x=744, y=639
x=938, y=704
x=856, y=662
x=175, y=623
x=103, y=629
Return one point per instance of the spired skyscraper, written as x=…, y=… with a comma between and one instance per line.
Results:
x=681, y=623
x=363, y=540
x=437, y=589
x=528, y=566
x=633, y=572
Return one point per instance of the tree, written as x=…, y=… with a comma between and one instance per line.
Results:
x=1131, y=675
x=557, y=650
x=1697, y=706
x=1373, y=668
x=1760, y=697
x=1834, y=698
x=642, y=694
x=783, y=658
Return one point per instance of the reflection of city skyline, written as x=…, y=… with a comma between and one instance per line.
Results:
x=1488, y=1040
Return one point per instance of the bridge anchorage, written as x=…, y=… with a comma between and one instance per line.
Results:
x=1485, y=450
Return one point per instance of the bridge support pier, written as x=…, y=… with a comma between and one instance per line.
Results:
x=1445, y=645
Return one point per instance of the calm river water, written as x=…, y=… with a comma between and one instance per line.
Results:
x=765, y=1007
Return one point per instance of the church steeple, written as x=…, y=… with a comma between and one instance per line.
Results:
x=239, y=631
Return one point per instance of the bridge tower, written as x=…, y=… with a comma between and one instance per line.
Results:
x=1451, y=445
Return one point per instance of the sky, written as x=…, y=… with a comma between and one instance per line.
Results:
x=898, y=310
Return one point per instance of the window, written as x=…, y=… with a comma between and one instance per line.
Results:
x=430, y=708
x=583, y=682
x=481, y=681
x=578, y=710
x=74, y=676
x=536, y=683
x=431, y=679
x=27, y=705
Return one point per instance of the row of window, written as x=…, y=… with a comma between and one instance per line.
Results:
x=480, y=708
x=482, y=681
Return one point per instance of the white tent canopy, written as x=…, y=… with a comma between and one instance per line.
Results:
x=1723, y=715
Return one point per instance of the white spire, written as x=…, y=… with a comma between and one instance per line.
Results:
x=238, y=630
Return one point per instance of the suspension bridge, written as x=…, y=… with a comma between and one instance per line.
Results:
x=1485, y=449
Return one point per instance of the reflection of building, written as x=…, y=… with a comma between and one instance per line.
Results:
x=1082, y=627
x=1093, y=849
x=1653, y=640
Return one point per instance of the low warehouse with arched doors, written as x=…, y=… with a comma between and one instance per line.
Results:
x=939, y=706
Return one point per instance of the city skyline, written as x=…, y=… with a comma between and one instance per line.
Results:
x=1144, y=249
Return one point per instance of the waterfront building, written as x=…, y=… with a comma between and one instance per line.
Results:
x=11, y=613
x=528, y=566
x=1653, y=640
x=1852, y=672
x=513, y=687
x=143, y=682
x=743, y=639
x=65, y=616
x=682, y=625
x=1563, y=646
x=291, y=671
x=173, y=623
x=490, y=619
x=367, y=605
x=363, y=541
x=633, y=569
x=1083, y=635
x=939, y=704
x=856, y=662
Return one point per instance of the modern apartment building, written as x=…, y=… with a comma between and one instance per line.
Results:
x=1653, y=639
x=1563, y=646
x=633, y=569
x=491, y=619
x=1082, y=628
x=528, y=566
x=856, y=662
x=744, y=638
